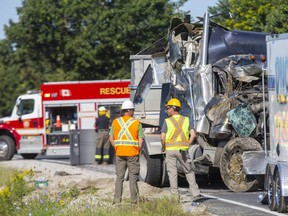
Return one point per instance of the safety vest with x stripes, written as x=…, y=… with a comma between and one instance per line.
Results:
x=126, y=136
x=177, y=135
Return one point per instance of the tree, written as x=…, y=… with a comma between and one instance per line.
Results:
x=9, y=81
x=221, y=12
x=88, y=39
x=58, y=40
x=276, y=20
x=249, y=15
x=258, y=15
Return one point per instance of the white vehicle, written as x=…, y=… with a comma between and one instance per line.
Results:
x=273, y=161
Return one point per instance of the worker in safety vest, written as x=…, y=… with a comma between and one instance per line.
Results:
x=102, y=125
x=126, y=136
x=176, y=136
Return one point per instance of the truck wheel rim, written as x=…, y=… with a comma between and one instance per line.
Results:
x=3, y=149
x=236, y=166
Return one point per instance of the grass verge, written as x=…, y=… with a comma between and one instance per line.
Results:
x=20, y=196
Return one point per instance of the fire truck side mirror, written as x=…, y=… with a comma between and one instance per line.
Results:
x=19, y=113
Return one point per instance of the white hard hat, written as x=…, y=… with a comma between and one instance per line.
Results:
x=102, y=108
x=126, y=105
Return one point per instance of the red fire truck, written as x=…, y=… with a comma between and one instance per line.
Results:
x=42, y=121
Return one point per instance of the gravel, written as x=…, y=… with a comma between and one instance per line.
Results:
x=64, y=176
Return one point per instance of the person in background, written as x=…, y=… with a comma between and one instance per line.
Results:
x=176, y=136
x=126, y=135
x=102, y=125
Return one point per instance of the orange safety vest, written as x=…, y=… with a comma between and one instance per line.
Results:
x=126, y=136
x=177, y=136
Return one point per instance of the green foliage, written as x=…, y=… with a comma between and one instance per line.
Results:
x=6, y=174
x=13, y=191
x=9, y=81
x=249, y=15
x=276, y=21
x=257, y=15
x=77, y=40
x=161, y=206
x=16, y=199
x=220, y=11
x=73, y=192
x=17, y=187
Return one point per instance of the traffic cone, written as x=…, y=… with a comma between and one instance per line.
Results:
x=58, y=122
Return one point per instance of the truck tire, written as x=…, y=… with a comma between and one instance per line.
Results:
x=150, y=167
x=165, y=178
x=271, y=190
x=281, y=201
x=7, y=148
x=29, y=156
x=231, y=165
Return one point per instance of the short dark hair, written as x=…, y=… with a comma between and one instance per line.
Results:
x=176, y=108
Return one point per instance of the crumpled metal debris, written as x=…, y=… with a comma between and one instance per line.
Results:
x=230, y=80
x=212, y=93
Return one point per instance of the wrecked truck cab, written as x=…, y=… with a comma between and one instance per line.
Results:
x=224, y=43
x=217, y=75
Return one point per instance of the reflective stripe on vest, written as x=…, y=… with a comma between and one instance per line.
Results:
x=179, y=139
x=125, y=141
x=124, y=130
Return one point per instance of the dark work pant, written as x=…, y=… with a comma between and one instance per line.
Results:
x=122, y=163
x=102, y=143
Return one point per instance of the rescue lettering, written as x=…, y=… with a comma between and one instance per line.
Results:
x=115, y=91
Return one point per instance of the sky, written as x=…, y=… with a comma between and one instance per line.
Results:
x=198, y=7
x=8, y=10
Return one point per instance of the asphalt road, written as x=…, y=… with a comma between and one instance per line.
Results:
x=218, y=199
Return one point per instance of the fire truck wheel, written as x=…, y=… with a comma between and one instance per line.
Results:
x=29, y=156
x=150, y=167
x=271, y=191
x=231, y=165
x=281, y=201
x=7, y=148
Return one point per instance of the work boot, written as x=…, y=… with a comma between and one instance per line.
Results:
x=196, y=200
x=105, y=163
x=116, y=201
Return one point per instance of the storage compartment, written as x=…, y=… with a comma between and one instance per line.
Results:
x=58, y=123
x=58, y=139
x=82, y=147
